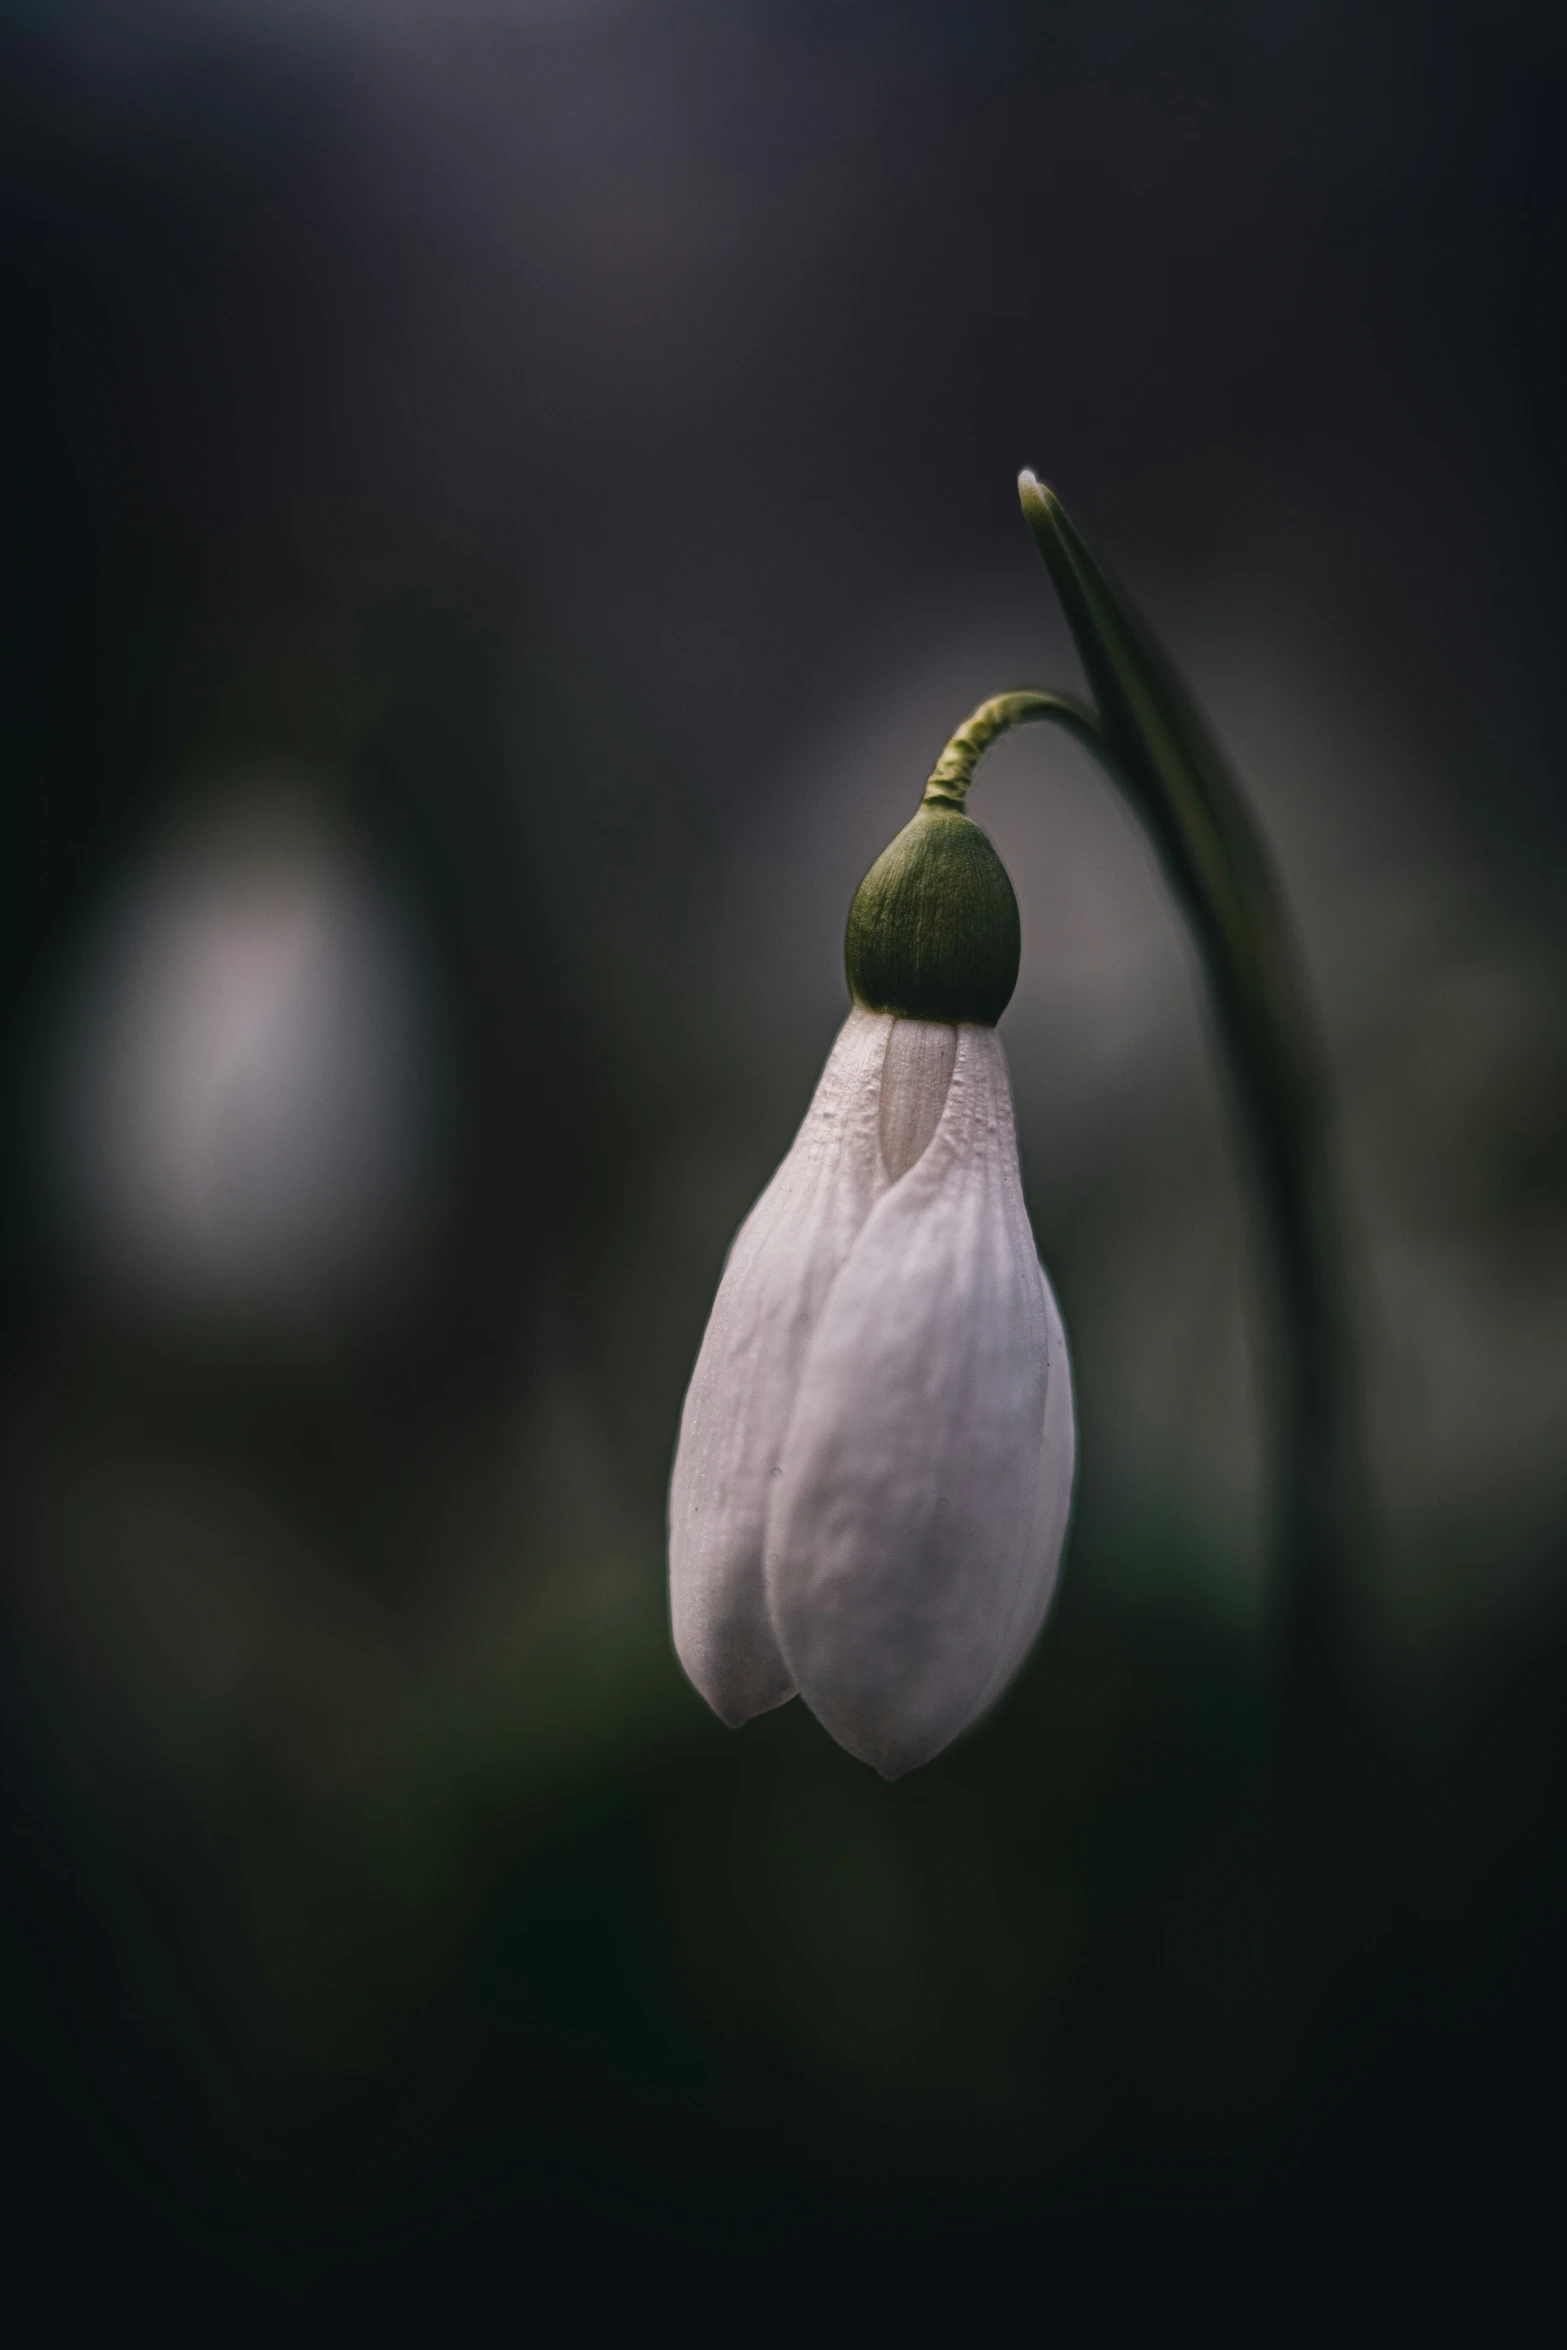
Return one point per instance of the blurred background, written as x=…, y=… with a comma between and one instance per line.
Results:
x=506, y=500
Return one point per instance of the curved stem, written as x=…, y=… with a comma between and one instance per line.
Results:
x=1146, y=734
x=954, y=770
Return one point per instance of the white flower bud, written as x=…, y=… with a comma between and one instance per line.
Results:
x=875, y=1462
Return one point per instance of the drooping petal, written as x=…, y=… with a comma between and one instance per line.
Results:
x=907, y=1522
x=780, y=1268
x=1052, y=1503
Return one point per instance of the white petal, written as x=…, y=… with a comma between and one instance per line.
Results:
x=784, y=1260
x=916, y=1077
x=908, y=1527
x=1052, y=1503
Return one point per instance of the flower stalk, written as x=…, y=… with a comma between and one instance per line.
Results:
x=1149, y=738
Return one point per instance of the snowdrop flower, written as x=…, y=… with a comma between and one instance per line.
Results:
x=246, y=1116
x=874, y=1469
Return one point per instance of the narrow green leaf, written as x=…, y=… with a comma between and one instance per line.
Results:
x=1156, y=746
x=1173, y=769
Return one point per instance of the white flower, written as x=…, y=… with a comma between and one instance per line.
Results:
x=874, y=1470
x=246, y=1115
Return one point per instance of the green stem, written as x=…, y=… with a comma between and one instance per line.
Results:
x=1146, y=734
x=954, y=770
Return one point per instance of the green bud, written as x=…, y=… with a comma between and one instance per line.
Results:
x=933, y=931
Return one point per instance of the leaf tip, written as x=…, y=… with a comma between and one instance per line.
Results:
x=1041, y=507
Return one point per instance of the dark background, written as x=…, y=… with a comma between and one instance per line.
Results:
x=506, y=498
